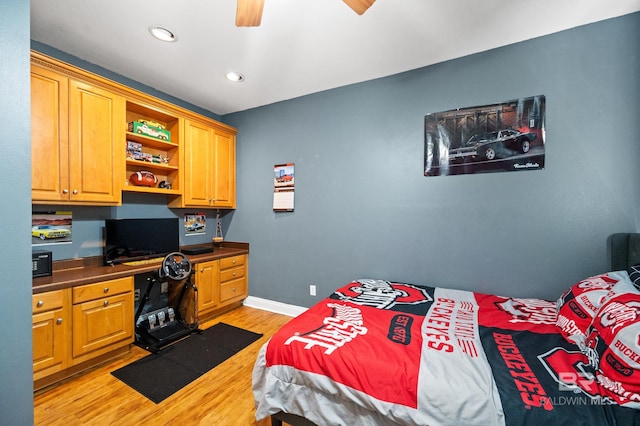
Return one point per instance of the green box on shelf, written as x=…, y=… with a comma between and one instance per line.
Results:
x=143, y=128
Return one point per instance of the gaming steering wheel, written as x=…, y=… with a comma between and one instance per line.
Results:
x=175, y=266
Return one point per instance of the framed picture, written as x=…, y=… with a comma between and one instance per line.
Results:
x=51, y=227
x=502, y=137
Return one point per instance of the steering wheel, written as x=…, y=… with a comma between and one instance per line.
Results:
x=175, y=266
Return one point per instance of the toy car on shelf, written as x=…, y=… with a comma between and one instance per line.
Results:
x=144, y=128
x=151, y=123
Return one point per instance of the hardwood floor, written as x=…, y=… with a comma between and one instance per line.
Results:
x=220, y=397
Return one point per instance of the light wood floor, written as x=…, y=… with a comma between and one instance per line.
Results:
x=221, y=397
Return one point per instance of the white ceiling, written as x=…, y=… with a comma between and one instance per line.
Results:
x=301, y=47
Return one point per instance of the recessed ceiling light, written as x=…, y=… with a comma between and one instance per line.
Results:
x=235, y=76
x=162, y=33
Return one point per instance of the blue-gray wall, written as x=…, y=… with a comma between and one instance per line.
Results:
x=88, y=223
x=364, y=209
x=16, y=383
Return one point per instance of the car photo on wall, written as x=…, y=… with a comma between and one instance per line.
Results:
x=507, y=136
x=51, y=227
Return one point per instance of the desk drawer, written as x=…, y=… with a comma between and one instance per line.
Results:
x=233, y=290
x=231, y=274
x=232, y=262
x=102, y=289
x=43, y=302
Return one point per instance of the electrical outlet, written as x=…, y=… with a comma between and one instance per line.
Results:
x=312, y=290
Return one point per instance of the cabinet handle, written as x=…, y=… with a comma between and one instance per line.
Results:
x=233, y=274
x=106, y=290
x=59, y=321
x=234, y=289
x=201, y=270
x=65, y=191
x=105, y=303
x=75, y=191
x=40, y=304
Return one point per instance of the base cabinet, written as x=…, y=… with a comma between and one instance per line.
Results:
x=222, y=284
x=49, y=333
x=102, y=317
x=206, y=278
x=77, y=328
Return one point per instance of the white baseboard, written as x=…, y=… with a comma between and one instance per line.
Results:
x=273, y=306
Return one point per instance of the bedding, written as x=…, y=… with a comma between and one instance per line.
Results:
x=378, y=352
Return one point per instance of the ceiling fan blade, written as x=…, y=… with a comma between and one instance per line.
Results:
x=249, y=13
x=359, y=6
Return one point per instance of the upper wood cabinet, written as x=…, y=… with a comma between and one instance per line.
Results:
x=209, y=167
x=75, y=129
x=80, y=140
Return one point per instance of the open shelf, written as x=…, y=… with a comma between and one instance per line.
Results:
x=163, y=155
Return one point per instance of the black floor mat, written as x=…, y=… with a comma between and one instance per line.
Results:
x=157, y=376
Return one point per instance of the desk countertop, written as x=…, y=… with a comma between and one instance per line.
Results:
x=74, y=272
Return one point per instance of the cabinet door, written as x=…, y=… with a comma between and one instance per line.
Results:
x=96, y=135
x=49, y=135
x=224, y=172
x=198, y=143
x=99, y=325
x=48, y=334
x=208, y=287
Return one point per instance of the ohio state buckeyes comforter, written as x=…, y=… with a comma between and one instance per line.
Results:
x=378, y=352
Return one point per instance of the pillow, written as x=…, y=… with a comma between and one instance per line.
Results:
x=613, y=345
x=634, y=275
x=577, y=307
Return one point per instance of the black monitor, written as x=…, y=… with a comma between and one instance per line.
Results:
x=128, y=240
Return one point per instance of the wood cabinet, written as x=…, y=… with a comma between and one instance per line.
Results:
x=80, y=136
x=206, y=280
x=209, y=167
x=222, y=284
x=49, y=332
x=102, y=318
x=75, y=128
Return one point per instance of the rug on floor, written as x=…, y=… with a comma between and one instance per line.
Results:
x=159, y=375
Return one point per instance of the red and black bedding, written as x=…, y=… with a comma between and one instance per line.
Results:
x=378, y=352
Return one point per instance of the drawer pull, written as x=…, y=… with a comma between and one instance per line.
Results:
x=106, y=289
x=234, y=289
x=234, y=274
x=105, y=303
x=233, y=261
x=59, y=321
x=40, y=304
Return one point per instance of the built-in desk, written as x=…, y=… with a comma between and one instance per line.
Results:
x=72, y=272
x=83, y=314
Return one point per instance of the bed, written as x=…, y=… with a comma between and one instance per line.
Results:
x=378, y=352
